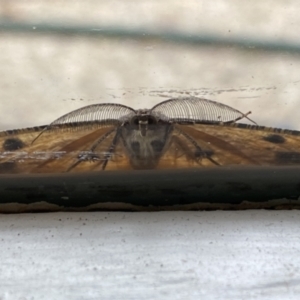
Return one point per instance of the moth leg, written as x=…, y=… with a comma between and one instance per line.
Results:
x=111, y=149
x=199, y=153
x=181, y=149
x=90, y=155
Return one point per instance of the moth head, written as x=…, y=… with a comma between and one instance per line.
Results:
x=142, y=120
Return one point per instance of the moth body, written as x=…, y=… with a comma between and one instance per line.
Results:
x=146, y=142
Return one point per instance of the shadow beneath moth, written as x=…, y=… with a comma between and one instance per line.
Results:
x=176, y=133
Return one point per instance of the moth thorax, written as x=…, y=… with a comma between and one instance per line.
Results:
x=142, y=120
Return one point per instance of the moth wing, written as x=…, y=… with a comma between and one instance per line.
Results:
x=94, y=151
x=62, y=150
x=247, y=144
x=113, y=155
x=54, y=151
x=180, y=152
x=17, y=155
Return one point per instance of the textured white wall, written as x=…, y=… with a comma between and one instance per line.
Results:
x=167, y=255
x=43, y=77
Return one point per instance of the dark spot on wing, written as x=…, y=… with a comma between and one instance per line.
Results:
x=291, y=157
x=274, y=138
x=13, y=144
x=135, y=146
x=157, y=146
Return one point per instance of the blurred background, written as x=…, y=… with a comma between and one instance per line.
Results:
x=57, y=56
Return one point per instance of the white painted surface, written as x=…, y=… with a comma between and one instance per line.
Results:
x=162, y=255
x=44, y=77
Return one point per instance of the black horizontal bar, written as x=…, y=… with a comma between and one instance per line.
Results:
x=201, y=39
x=159, y=189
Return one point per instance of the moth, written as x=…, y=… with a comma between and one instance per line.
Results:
x=176, y=133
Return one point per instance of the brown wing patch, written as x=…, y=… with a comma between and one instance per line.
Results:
x=224, y=152
x=264, y=146
x=55, y=151
x=88, y=153
x=235, y=144
x=185, y=152
x=73, y=151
